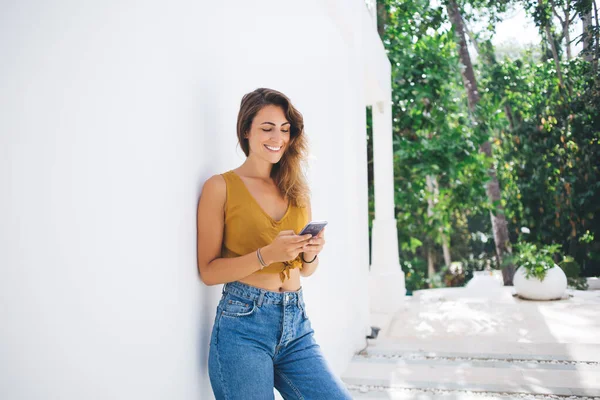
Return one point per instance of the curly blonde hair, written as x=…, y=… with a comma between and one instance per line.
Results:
x=288, y=173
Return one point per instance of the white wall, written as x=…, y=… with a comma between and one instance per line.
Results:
x=112, y=115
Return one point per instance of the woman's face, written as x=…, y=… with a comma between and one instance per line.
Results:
x=269, y=134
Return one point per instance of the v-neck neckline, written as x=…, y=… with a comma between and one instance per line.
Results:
x=258, y=205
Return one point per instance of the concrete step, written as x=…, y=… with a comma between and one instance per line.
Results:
x=487, y=368
x=377, y=393
x=486, y=349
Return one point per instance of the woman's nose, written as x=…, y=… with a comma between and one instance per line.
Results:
x=276, y=134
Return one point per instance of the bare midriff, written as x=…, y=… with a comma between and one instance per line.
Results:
x=273, y=283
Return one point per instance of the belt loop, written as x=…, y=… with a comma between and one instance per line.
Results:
x=260, y=298
x=224, y=287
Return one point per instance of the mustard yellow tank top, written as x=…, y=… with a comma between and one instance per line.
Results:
x=248, y=226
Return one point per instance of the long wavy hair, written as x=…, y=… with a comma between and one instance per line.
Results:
x=288, y=173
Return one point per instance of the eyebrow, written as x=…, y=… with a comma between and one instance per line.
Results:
x=270, y=123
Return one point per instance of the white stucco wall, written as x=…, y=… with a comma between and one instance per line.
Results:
x=112, y=115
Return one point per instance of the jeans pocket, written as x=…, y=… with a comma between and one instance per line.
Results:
x=236, y=306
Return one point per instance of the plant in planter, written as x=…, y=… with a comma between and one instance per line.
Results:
x=537, y=276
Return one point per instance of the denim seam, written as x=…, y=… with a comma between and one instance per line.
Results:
x=239, y=303
x=223, y=385
x=289, y=382
x=217, y=322
x=251, y=296
x=239, y=293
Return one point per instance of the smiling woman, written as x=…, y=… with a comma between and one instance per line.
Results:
x=275, y=141
x=248, y=224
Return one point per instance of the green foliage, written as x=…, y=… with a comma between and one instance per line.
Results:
x=572, y=271
x=587, y=237
x=433, y=134
x=412, y=245
x=546, y=143
x=547, y=153
x=415, y=270
x=535, y=261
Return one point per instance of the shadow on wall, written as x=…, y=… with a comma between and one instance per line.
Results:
x=210, y=161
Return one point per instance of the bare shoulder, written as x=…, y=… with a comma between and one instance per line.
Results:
x=215, y=183
x=215, y=189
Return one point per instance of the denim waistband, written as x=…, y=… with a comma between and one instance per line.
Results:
x=262, y=295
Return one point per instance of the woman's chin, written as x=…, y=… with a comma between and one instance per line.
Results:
x=273, y=159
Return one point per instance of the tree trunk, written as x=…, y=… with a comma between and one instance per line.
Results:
x=552, y=44
x=499, y=224
x=446, y=250
x=550, y=40
x=430, y=264
x=566, y=32
x=597, y=37
x=567, y=41
x=509, y=116
x=588, y=39
x=430, y=205
x=434, y=189
x=564, y=24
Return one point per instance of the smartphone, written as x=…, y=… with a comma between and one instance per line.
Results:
x=313, y=227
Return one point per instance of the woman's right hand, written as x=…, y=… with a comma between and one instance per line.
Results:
x=285, y=247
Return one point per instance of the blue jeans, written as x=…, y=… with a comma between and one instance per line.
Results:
x=263, y=339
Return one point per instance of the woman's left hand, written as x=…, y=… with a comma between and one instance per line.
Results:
x=314, y=246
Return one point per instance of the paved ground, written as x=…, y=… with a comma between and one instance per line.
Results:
x=459, y=344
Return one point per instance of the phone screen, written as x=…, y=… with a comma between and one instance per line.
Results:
x=313, y=227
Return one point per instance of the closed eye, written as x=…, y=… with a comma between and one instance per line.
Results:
x=269, y=130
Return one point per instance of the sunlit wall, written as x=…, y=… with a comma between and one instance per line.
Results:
x=112, y=115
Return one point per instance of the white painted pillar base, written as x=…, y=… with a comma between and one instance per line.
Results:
x=387, y=288
x=387, y=293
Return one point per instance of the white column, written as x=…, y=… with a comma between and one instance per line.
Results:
x=386, y=279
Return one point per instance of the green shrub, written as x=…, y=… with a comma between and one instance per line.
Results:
x=536, y=262
x=415, y=271
x=572, y=271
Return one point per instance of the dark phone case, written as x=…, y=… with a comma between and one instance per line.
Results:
x=313, y=229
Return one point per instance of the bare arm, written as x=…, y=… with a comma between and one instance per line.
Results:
x=212, y=268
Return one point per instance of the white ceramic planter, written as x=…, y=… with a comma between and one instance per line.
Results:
x=551, y=288
x=484, y=280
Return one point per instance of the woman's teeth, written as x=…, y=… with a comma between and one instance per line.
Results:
x=273, y=149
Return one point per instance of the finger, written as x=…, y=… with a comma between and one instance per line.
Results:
x=315, y=242
x=301, y=247
x=314, y=247
x=299, y=239
x=310, y=253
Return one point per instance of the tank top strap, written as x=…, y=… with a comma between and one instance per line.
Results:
x=235, y=192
